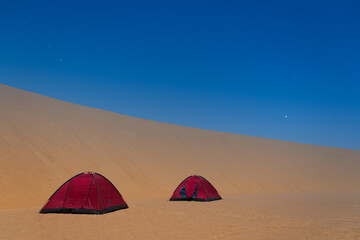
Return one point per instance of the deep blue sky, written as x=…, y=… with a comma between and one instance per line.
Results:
x=233, y=66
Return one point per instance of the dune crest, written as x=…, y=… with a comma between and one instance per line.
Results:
x=44, y=142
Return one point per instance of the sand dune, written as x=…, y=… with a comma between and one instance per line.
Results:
x=44, y=142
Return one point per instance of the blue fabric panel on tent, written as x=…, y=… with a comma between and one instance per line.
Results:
x=195, y=193
x=182, y=192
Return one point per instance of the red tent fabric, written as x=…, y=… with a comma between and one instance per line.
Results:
x=195, y=188
x=89, y=193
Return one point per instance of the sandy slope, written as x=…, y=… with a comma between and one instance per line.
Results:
x=301, y=191
x=44, y=141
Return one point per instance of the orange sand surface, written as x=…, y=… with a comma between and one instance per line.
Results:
x=290, y=216
x=272, y=189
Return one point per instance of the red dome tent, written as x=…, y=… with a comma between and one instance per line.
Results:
x=195, y=188
x=89, y=193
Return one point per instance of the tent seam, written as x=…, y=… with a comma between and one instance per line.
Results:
x=97, y=189
x=203, y=186
x=87, y=198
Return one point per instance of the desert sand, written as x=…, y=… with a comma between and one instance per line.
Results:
x=271, y=189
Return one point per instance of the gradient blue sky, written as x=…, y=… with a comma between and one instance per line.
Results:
x=232, y=66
